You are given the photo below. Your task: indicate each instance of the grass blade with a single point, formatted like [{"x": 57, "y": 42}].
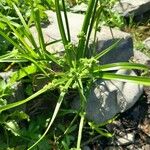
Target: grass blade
[
  {"x": 11, "y": 41},
  {"x": 60, "y": 23},
  {"x": 124, "y": 78},
  {"x": 36, "y": 17},
  {"x": 90, "y": 29},
  {"x": 15, "y": 104},
  {"x": 21, "y": 39},
  {"x": 121, "y": 65},
  {"x": 66, "y": 21},
  {"x": 85, "y": 26},
  {"x": 28, "y": 33},
  {"x": 107, "y": 50}
]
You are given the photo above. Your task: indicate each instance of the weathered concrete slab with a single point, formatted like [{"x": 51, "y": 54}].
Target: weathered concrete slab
[
  {"x": 132, "y": 7},
  {"x": 105, "y": 38}
]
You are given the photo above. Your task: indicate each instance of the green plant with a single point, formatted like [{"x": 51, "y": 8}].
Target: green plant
[
  {"x": 75, "y": 70},
  {"x": 105, "y": 11},
  {"x": 139, "y": 31}
]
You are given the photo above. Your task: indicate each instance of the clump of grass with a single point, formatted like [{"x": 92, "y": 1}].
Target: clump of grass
[{"x": 76, "y": 70}]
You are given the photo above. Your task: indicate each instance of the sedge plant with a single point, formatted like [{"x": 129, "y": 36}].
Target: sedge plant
[{"x": 77, "y": 70}]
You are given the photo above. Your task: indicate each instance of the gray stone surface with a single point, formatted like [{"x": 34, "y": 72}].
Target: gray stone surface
[
  {"x": 132, "y": 7},
  {"x": 147, "y": 43},
  {"x": 5, "y": 75},
  {"x": 140, "y": 57},
  {"x": 51, "y": 31},
  {"x": 105, "y": 38},
  {"x": 121, "y": 53},
  {"x": 107, "y": 98},
  {"x": 80, "y": 8}
]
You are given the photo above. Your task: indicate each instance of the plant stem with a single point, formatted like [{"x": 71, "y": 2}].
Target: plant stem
[
  {"x": 82, "y": 114},
  {"x": 62, "y": 30},
  {"x": 84, "y": 30},
  {"x": 66, "y": 21},
  {"x": 90, "y": 28},
  {"x": 60, "y": 23},
  {"x": 80, "y": 130}
]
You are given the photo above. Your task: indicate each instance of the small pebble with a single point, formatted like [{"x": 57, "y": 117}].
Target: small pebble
[
  {"x": 127, "y": 139},
  {"x": 145, "y": 126},
  {"x": 146, "y": 147},
  {"x": 147, "y": 43}
]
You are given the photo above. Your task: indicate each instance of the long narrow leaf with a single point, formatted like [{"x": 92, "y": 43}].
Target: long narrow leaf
[
  {"x": 36, "y": 16},
  {"x": 60, "y": 23},
  {"x": 11, "y": 40},
  {"x": 28, "y": 33},
  {"x": 66, "y": 21},
  {"x": 85, "y": 26},
  {"x": 27, "y": 49},
  {"x": 107, "y": 49},
  {"x": 13, "y": 60},
  {"x": 121, "y": 65},
  {"x": 15, "y": 104},
  {"x": 52, "y": 119},
  {"x": 50, "y": 86},
  {"x": 66, "y": 43},
  {"x": 90, "y": 29},
  {"x": 125, "y": 78},
  {"x": 9, "y": 55}
]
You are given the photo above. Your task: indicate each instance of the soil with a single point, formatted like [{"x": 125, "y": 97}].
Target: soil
[{"x": 135, "y": 121}]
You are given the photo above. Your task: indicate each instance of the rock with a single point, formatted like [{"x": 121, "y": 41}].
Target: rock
[
  {"x": 51, "y": 31},
  {"x": 5, "y": 75},
  {"x": 147, "y": 43},
  {"x": 133, "y": 146},
  {"x": 129, "y": 8},
  {"x": 145, "y": 126},
  {"x": 127, "y": 139},
  {"x": 124, "y": 50},
  {"x": 86, "y": 148},
  {"x": 107, "y": 98},
  {"x": 140, "y": 57},
  {"x": 80, "y": 8},
  {"x": 105, "y": 38},
  {"x": 146, "y": 147}
]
